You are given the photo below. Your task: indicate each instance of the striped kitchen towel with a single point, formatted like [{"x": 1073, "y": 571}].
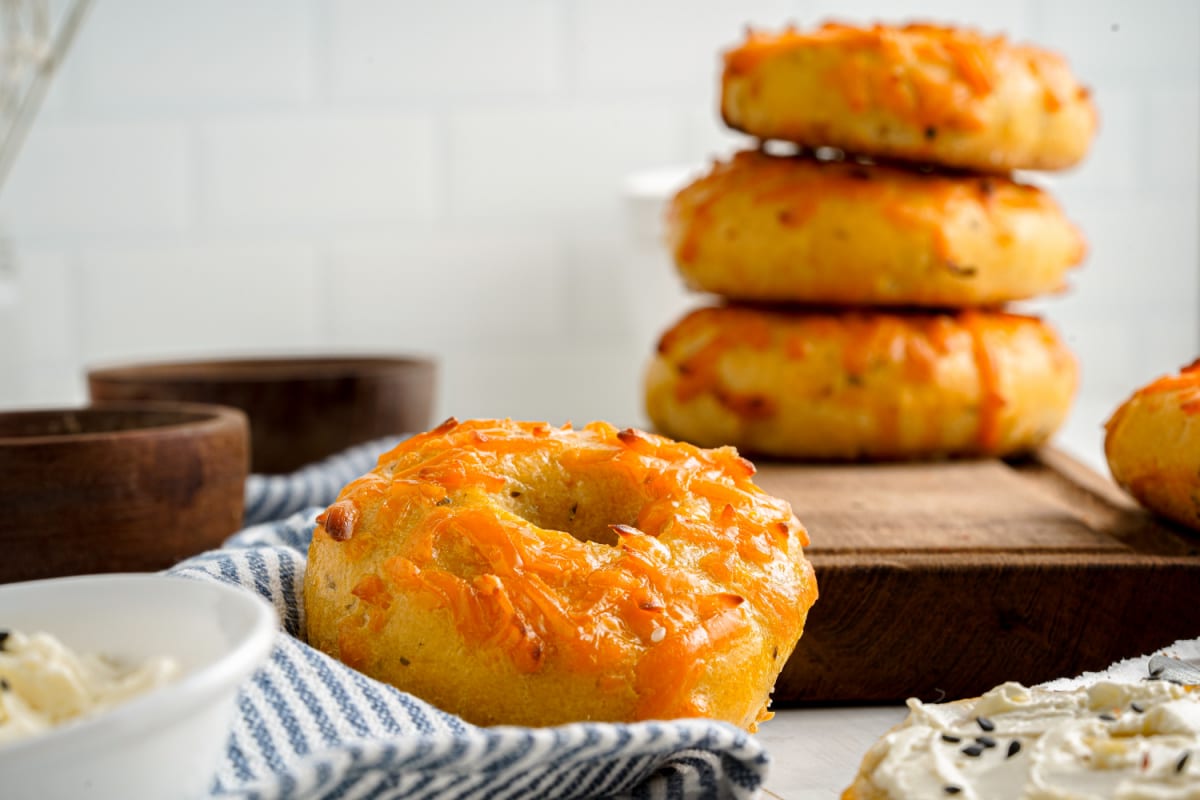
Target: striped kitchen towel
[
  {"x": 272, "y": 497},
  {"x": 310, "y": 727}
]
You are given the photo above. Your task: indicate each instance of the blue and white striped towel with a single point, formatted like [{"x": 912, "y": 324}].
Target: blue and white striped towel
[
  {"x": 273, "y": 497},
  {"x": 310, "y": 727}
]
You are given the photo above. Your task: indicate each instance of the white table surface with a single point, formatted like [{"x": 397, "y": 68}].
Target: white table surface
[{"x": 815, "y": 752}]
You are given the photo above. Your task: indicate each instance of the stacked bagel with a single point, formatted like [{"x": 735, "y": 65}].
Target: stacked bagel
[{"x": 864, "y": 271}]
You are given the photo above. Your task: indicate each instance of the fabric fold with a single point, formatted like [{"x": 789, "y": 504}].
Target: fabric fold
[
  {"x": 274, "y": 497},
  {"x": 310, "y": 727}
]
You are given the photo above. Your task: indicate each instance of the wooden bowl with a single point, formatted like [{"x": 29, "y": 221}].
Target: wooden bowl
[
  {"x": 129, "y": 488},
  {"x": 301, "y": 409}
]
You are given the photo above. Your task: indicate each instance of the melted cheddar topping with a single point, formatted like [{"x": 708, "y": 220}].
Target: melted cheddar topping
[
  {"x": 925, "y": 73},
  {"x": 797, "y": 187},
  {"x": 1186, "y": 383},
  {"x": 614, "y": 553},
  {"x": 913, "y": 344}
]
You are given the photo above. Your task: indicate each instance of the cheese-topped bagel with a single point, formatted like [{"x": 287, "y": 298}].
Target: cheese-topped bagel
[
  {"x": 918, "y": 92},
  {"x": 518, "y": 573}
]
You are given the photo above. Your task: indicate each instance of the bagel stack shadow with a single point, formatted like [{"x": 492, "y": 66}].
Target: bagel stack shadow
[{"x": 865, "y": 253}]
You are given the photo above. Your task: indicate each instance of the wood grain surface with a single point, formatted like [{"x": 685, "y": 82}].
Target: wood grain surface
[
  {"x": 945, "y": 579},
  {"x": 125, "y": 488}
]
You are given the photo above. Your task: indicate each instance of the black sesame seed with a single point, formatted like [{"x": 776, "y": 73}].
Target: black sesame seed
[
  {"x": 986, "y": 741},
  {"x": 1108, "y": 717},
  {"x": 3, "y": 639},
  {"x": 445, "y": 501},
  {"x": 1137, "y": 708},
  {"x": 973, "y": 750},
  {"x": 1014, "y": 747},
  {"x": 985, "y": 723},
  {"x": 931, "y": 132},
  {"x": 947, "y": 737},
  {"x": 950, "y": 788},
  {"x": 4, "y": 685},
  {"x": 1183, "y": 760}
]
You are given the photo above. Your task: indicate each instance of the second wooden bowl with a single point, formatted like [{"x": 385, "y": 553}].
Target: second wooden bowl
[{"x": 301, "y": 409}]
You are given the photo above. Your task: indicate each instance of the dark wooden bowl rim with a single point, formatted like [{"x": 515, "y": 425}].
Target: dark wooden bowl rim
[
  {"x": 126, "y": 421},
  {"x": 259, "y": 370}
]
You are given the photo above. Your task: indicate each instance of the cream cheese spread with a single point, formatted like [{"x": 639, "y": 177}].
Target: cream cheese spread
[
  {"x": 1137, "y": 741},
  {"x": 43, "y": 683}
]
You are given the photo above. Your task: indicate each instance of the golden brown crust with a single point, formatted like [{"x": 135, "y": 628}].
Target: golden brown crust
[
  {"x": 517, "y": 573},
  {"x": 919, "y": 92},
  {"x": 854, "y": 385},
  {"x": 1152, "y": 442},
  {"x": 772, "y": 228}
]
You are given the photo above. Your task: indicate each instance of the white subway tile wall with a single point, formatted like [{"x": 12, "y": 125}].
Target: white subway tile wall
[
  {"x": 327, "y": 169},
  {"x": 140, "y": 301},
  {"x": 440, "y": 53},
  {"x": 661, "y": 49},
  {"x": 554, "y": 165},
  {"x": 447, "y": 178},
  {"x": 189, "y": 58},
  {"x": 97, "y": 178},
  {"x": 462, "y": 289},
  {"x": 42, "y": 327}
]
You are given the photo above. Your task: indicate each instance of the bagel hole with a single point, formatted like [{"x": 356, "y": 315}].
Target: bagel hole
[{"x": 586, "y": 508}]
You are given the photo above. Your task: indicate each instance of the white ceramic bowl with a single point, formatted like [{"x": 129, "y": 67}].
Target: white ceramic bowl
[{"x": 163, "y": 744}]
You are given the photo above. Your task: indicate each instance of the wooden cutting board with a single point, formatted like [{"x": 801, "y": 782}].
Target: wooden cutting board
[{"x": 945, "y": 579}]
